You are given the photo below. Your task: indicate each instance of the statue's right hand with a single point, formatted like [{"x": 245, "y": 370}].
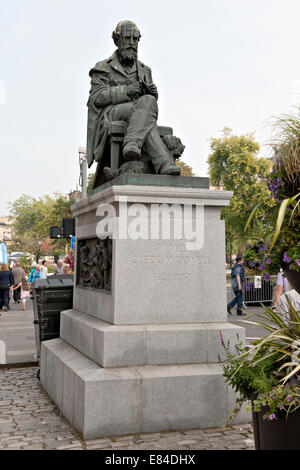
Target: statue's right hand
[{"x": 135, "y": 88}]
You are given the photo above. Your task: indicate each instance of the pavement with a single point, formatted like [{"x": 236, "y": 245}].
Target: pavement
[
  {"x": 29, "y": 420},
  {"x": 17, "y": 336}
]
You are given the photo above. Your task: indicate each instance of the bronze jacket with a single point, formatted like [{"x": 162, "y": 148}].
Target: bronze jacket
[{"x": 109, "y": 83}]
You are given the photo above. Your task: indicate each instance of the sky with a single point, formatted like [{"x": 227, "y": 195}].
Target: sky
[{"x": 222, "y": 63}]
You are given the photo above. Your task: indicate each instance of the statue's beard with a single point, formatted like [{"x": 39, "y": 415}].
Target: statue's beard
[{"x": 127, "y": 56}]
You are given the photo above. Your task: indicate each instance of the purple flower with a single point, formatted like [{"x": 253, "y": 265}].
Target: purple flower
[
  {"x": 267, "y": 277},
  {"x": 262, "y": 267},
  {"x": 272, "y": 416},
  {"x": 222, "y": 340},
  {"x": 268, "y": 261},
  {"x": 298, "y": 262},
  {"x": 288, "y": 399},
  {"x": 286, "y": 259}
]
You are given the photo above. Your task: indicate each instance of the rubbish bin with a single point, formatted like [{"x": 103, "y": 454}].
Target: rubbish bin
[{"x": 50, "y": 297}]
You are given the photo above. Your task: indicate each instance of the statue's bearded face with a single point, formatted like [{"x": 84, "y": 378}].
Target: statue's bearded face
[{"x": 128, "y": 44}]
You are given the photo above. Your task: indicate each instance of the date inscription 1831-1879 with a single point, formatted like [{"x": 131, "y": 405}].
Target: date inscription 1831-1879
[{"x": 94, "y": 262}]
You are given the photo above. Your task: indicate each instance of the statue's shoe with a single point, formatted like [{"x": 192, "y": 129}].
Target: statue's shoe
[
  {"x": 131, "y": 151},
  {"x": 170, "y": 169}
]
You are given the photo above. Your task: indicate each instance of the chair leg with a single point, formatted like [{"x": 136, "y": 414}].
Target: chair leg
[{"x": 114, "y": 155}]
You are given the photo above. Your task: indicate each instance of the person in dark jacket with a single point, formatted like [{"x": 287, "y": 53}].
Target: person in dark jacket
[
  {"x": 238, "y": 277},
  {"x": 6, "y": 283}
]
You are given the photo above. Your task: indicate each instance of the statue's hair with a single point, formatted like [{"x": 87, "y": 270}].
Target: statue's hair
[{"x": 117, "y": 32}]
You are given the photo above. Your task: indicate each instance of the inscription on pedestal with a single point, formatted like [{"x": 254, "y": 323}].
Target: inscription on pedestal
[{"x": 94, "y": 261}]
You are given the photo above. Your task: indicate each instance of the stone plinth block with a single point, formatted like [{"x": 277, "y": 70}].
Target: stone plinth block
[
  {"x": 115, "y": 401},
  {"x": 136, "y": 345},
  {"x": 161, "y": 279}
]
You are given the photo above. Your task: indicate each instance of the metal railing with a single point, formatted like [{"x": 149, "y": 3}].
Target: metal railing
[{"x": 253, "y": 294}]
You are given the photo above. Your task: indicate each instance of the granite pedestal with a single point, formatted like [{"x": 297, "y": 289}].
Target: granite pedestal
[{"x": 143, "y": 354}]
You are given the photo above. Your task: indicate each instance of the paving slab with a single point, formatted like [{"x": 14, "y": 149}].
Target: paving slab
[
  {"x": 53, "y": 432},
  {"x": 17, "y": 337}
]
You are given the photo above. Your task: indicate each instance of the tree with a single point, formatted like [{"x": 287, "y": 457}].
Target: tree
[
  {"x": 31, "y": 222},
  {"x": 234, "y": 165},
  {"x": 283, "y": 246},
  {"x": 90, "y": 181},
  {"x": 186, "y": 170}
]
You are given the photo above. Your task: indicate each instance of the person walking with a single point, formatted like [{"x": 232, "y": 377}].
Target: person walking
[
  {"x": 59, "y": 269},
  {"x": 44, "y": 269},
  {"x": 6, "y": 284},
  {"x": 238, "y": 276},
  {"x": 25, "y": 291},
  {"x": 67, "y": 269},
  {"x": 36, "y": 273},
  {"x": 18, "y": 273},
  {"x": 282, "y": 286}
]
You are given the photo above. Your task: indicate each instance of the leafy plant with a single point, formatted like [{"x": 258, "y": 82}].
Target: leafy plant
[
  {"x": 284, "y": 190},
  {"x": 268, "y": 371}
]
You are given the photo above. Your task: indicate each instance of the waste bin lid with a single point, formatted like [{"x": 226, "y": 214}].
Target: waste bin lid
[{"x": 54, "y": 281}]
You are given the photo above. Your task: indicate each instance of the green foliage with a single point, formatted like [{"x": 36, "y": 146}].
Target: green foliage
[
  {"x": 186, "y": 170},
  {"x": 32, "y": 219},
  {"x": 269, "y": 370},
  {"x": 235, "y": 166},
  {"x": 90, "y": 181},
  {"x": 26, "y": 263},
  {"x": 278, "y": 399},
  {"x": 284, "y": 190},
  {"x": 247, "y": 380}
]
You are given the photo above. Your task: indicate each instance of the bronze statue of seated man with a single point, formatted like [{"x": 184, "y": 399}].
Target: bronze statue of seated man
[{"x": 122, "y": 90}]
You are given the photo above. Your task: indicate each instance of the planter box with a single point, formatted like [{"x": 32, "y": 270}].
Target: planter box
[{"x": 279, "y": 434}]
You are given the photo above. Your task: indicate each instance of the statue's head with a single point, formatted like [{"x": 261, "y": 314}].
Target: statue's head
[{"x": 126, "y": 37}]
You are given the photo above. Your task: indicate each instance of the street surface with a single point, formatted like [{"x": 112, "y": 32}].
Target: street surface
[
  {"x": 17, "y": 340},
  {"x": 30, "y": 420}
]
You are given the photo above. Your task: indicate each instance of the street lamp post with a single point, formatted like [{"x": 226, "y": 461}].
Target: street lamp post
[{"x": 83, "y": 172}]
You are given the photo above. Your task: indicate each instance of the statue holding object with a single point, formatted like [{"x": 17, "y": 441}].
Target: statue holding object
[{"x": 122, "y": 90}]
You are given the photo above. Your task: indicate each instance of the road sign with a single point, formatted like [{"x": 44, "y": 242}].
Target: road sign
[{"x": 73, "y": 240}]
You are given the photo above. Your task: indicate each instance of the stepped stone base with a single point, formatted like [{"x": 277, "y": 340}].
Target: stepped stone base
[
  {"x": 137, "y": 345},
  {"x": 117, "y": 401}
]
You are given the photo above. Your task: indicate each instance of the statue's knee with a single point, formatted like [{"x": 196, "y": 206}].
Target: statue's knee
[{"x": 148, "y": 100}]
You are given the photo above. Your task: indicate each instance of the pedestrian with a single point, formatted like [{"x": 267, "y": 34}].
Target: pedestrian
[
  {"x": 18, "y": 273},
  {"x": 282, "y": 287},
  {"x": 6, "y": 285},
  {"x": 44, "y": 269},
  {"x": 25, "y": 291},
  {"x": 238, "y": 277},
  {"x": 67, "y": 269},
  {"x": 59, "y": 269},
  {"x": 36, "y": 273},
  {"x": 283, "y": 307}
]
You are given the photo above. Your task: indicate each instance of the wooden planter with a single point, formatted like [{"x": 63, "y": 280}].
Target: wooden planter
[{"x": 279, "y": 434}]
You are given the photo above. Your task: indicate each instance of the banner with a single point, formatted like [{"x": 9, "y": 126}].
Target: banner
[{"x": 3, "y": 253}]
